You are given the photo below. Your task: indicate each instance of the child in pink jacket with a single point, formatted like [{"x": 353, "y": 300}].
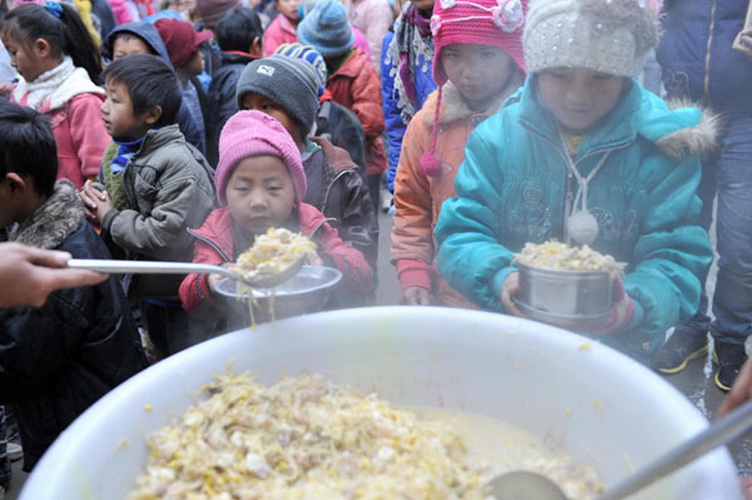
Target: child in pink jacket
[
  {"x": 261, "y": 181},
  {"x": 60, "y": 82}
]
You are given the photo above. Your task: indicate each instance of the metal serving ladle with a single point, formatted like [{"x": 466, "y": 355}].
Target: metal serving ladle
[
  {"x": 527, "y": 485},
  {"x": 269, "y": 280}
]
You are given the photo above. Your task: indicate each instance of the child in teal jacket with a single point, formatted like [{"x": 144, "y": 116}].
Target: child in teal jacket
[{"x": 583, "y": 153}]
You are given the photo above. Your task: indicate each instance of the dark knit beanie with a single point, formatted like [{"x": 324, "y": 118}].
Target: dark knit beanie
[{"x": 290, "y": 83}]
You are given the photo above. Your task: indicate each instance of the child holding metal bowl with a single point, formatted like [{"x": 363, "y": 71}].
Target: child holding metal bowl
[{"x": 583, "y": 153}]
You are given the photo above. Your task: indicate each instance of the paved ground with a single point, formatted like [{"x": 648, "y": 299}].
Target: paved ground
[{"x": 695, "y": 382}]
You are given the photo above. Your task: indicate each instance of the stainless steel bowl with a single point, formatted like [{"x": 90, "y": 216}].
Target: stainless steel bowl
[
  {"x": 566, "y": 293},
  {"x": 306, "y": 292}
]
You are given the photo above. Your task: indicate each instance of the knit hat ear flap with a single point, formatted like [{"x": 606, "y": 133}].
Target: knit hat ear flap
[{"x": 428, "y": 160}]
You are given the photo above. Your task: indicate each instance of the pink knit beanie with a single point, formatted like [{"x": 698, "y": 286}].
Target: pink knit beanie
[
  {"x": 253, "y": 133},
  {"x": 496, "y": 23}
]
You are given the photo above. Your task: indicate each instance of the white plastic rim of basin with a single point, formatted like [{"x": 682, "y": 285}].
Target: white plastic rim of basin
[{"x": 599, "y": 406}]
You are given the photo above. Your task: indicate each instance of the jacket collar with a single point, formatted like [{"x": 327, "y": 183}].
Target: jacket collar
[
  {"x": 217, "y": 230},
  {"x": 53, "y": 222},
  {"x": 455, "y": 108},
  {"x": 158, "y": 137},
  {"x": 677, "y": 129}
]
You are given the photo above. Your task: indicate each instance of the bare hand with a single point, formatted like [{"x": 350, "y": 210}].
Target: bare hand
[
  {"x": 97, "y": 203},
  {"x": 28, "y": 275},
  {"x": 740, "y": 392},
  {"x": 215, "y": 278},
  {"x": 509, "y": 289},
  {"x": 6, "y": 88},
  {"x": 416, "y": 296},
  {"x": 743, "y": 43}
]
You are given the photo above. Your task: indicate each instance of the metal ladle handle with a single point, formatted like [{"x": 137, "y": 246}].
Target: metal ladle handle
[
  {"x": 720, "y": 432},
  {"x": 147, "y": 267}
]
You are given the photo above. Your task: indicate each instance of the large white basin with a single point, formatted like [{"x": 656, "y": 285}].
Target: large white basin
[{"x": 600, "y": 406}]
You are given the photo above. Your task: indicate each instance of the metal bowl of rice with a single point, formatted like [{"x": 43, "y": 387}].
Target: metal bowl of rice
[{"x": 306, "y": 292}]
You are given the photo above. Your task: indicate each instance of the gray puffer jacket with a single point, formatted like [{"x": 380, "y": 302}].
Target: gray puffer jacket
[{"x": 168, "y": 187}]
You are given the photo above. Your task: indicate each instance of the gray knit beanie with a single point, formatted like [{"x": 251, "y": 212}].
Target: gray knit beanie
[
  {"x": 290, "y": 83},
  {"x": 610, "y": 36}
]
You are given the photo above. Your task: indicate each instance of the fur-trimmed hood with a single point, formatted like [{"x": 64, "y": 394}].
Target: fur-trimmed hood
[
  {"x": 454, "y": 107},
  {"x": 54, "y": 221},
  {"x": 679, "y": 140}
]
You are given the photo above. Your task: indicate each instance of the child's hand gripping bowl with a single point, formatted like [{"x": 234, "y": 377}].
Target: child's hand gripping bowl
[{"x": 572, "y": 287}]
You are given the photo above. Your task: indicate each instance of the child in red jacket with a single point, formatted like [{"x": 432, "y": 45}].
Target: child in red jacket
[
  {"x": 260, "y": 179},
  {"x": 352, "y": 79}
]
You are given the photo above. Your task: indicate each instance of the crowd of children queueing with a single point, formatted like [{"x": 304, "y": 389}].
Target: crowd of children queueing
[{"x": 496, "y": 125}]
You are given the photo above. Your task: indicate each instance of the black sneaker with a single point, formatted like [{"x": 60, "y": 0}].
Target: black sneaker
[
  {"x": 729, "y": 358},
  {"x": 684, "y": 345}
]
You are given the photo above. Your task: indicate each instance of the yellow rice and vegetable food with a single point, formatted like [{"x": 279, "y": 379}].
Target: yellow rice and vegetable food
[
  {"x": 307, "y": 438},
  {"x": 274, "y": 252},
  {"x": 560, "y": 256}
]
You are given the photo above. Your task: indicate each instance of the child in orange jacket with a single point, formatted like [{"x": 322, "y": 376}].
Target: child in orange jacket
[{"x": 478, "y": 63}]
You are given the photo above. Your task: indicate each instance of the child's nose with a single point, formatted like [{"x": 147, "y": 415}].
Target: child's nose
[{"x": 257, "y": 201}]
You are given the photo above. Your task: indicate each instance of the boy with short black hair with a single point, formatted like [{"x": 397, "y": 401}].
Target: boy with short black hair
[
  {"x": 239, "y": 35},
  {"x": 58, "y": 359},
  {"x": 157, "y": 186},
  {"x": 143, "y": 38}
]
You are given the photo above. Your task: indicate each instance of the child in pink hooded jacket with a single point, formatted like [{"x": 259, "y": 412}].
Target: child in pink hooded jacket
[{"x": 58, "y": 78}]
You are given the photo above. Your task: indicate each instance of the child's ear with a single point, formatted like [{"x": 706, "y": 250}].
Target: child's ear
[
  {"x": 153, "y": 114},
  {"x": 42, "y": 47},
  {"x": 255, "y": 48},
  {"x": 17, "y": 185}
]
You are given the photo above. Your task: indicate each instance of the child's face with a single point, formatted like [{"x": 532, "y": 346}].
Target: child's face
[
  {"x": 479, "y": 72},
  {"x": 289, "y": 9},
  {"x": 578, "y": 97},
  {"x": 260, "y": 193},
  {"x": 195, "y": 65},
  {"x": 129, "y": 46},
  {"x": 256, "y": 102},
  {"x": 424, "y": 5},
  {"x": 27, "y": 59},
  {"x": 117, "y": 113}
]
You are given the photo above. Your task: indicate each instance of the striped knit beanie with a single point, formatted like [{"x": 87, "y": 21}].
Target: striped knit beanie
[{"x": 309, "y": 55}]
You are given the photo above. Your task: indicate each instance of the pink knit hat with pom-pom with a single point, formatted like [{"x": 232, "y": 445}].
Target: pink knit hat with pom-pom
[
  {"x": 496, "y": 23},
  {"x": 253, "y": 133}
]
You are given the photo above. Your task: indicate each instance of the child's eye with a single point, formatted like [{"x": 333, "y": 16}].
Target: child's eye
[
  {"x": 274, "y": 188},
  {"x": 488, "y": 54},
  {"x": 603, "y": 76}
]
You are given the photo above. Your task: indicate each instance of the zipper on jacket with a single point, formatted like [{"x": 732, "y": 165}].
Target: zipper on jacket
[
  {"x": 569, "y": 197},
  {"x": 709, "y": 46},
  {"x": 339, "y": 175}
]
